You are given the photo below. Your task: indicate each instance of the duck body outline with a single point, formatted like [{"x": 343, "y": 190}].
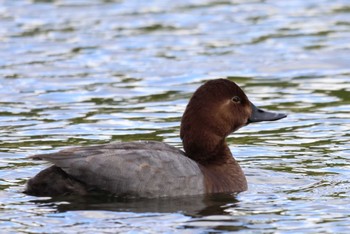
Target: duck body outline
[{"x": 151, "y": 169}]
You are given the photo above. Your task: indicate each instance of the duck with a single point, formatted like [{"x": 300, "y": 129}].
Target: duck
[{"x": 151, "y": 169}]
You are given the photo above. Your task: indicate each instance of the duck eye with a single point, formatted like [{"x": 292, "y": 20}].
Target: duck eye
[{"x": 236, "y": 99}]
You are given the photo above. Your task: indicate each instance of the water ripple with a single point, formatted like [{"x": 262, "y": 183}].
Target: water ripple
[{"x": 90, "y": 72}]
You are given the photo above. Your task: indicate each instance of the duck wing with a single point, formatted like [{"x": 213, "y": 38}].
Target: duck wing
[{"x": 141, "y": 169}]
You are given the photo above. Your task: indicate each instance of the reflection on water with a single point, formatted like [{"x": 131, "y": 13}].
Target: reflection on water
[
  {"x": 90, "y": 72},
  {"x": 195, "y": 206}
]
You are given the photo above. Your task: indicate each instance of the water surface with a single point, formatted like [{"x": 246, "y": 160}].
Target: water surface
[{"x": 91, "y": 72}]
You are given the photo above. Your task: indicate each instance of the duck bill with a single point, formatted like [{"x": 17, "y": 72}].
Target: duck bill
[{"x": 259, "y": 115}]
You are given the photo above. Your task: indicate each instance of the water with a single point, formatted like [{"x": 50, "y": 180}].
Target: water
[{"x": 90, "y": 72}]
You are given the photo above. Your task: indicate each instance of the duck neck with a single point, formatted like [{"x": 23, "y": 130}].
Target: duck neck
[
  {"x": 221, "y": 171},
  {"x": 206, "y": 147}
]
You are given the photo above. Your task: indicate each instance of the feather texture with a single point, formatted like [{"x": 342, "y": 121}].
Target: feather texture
[{"x": 153, "y": 169}]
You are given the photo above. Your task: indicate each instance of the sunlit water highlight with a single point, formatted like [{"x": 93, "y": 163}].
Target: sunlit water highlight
[{"x": 90, "y": 72}]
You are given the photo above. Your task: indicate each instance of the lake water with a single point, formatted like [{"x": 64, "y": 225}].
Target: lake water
[{"x": 91, "y": 72}]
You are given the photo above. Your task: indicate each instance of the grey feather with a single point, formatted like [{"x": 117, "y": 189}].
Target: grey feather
[{"x": 143, "y": 169}]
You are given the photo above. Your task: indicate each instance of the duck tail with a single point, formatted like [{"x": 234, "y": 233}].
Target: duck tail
[{"x": 53, "y": 181}]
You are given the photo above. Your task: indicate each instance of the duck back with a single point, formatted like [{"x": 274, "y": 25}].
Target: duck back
[{"x": 136, "y": 169}]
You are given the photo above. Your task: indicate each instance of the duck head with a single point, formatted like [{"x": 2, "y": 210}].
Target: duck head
[{"x": 217, "y": 108}]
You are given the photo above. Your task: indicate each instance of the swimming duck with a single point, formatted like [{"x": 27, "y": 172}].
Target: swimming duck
[{"x": 155, "y": 169}]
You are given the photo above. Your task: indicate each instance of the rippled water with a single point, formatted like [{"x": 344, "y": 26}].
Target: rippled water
[{"x": 89, "y": 72}]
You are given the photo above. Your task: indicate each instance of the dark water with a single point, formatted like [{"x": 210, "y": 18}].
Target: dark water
[{"x": 90, "y": 72}]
